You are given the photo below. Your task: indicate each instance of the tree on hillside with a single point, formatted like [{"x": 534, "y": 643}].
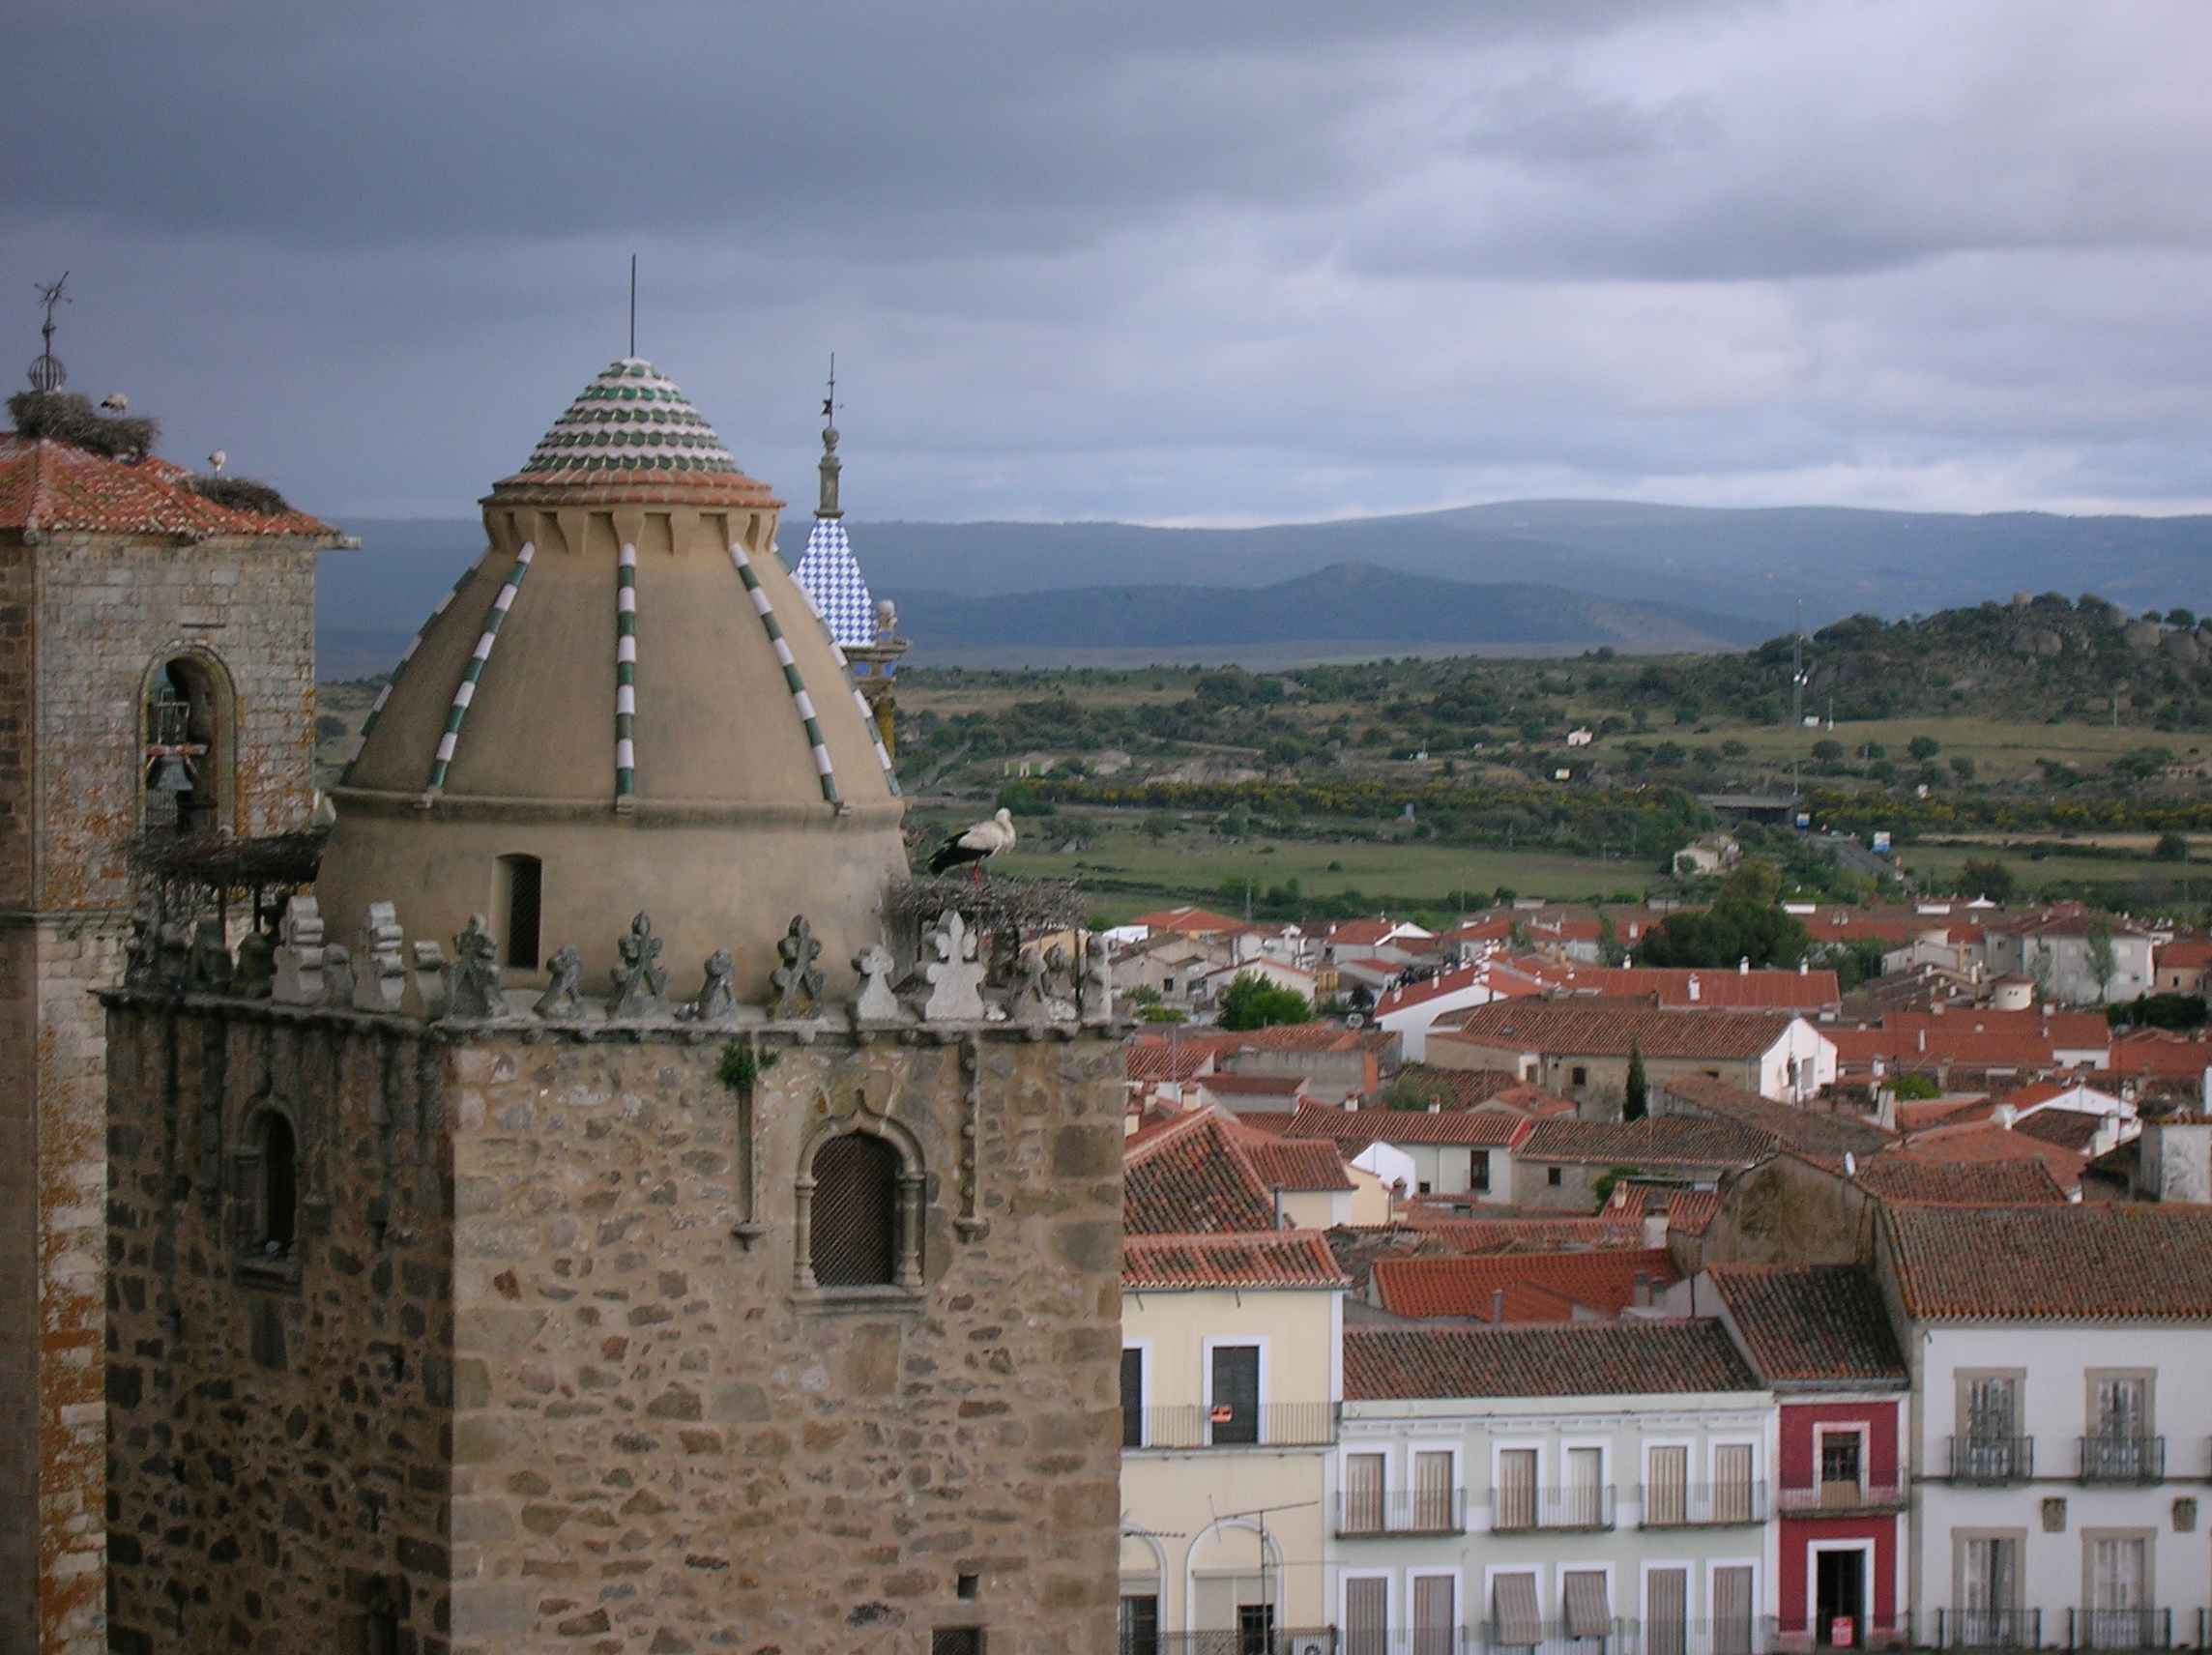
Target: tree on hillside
[
  {"x": 1635, "y": 1100},
  {"x": 1252, "y": 1001},
  {"x": 1923, "y": 748},
  {"x": 1745, "y": 921},
  {"x": 1987, "y": 875},
  {"x": 2170, "y": 848}
]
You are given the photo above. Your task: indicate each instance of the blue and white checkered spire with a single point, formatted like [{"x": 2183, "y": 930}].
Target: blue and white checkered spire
[
  {"x": 831, "y": 576},
  {"x": 828, "y": 571}
]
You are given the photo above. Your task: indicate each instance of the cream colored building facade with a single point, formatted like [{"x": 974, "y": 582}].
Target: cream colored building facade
[{"x": 1226, "y": 1433}]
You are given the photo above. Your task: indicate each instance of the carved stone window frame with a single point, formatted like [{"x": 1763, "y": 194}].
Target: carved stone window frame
[
  {"x": 251, "y": 1264},
  {"x": 908, "y": 1285}
]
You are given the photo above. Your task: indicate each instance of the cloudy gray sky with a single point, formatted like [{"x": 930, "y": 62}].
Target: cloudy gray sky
[{"x": 1225, "y": 261}]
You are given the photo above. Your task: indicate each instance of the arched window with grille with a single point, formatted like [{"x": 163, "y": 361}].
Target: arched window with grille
[
  {"x": 187, "y": 745},
  {"x": 860, "y": 1214}
]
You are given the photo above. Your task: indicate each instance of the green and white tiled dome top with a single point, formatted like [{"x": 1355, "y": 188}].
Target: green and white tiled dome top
[{"x": 631, "y": 418}]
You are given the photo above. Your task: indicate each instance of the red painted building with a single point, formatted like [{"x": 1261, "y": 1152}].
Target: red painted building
[{"x": 1819, "y": 1337}]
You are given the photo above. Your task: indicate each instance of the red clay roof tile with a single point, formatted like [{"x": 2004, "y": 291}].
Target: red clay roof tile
[{"x": 1614, "y": 1358}]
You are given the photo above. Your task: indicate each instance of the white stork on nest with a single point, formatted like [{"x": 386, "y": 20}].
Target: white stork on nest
[{"x": 976, "y": 844}]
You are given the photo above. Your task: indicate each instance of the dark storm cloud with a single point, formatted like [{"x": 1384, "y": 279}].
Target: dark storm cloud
[{"x": 1236, "y": 260}]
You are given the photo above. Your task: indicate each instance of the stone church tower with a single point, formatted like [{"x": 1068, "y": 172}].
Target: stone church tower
[
  {"x": 157, "y": 660},
  {"x": 578, "y": 1229}
]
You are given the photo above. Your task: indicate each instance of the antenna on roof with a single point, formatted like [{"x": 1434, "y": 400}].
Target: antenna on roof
[
  {"x": 633, "y": 304},
  {"x": 47, "y": 372}
]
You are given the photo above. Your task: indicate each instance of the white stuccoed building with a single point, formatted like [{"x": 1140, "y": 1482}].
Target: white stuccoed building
[{"x": 2061, "y": 1364}]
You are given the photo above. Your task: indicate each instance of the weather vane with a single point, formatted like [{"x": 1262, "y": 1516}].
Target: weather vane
[
  {"x": 634, "y": 305},
  {"x": 829, "y": 402},
  {"x": 47, "y": 372}
]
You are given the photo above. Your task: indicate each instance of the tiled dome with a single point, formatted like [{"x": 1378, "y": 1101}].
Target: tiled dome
[{"x": 631, "y": 428}]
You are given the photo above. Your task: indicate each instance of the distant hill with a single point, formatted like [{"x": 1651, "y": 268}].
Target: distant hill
[
  {"x": 1759, "y": 564},
  {"x": 1343, "y": 602}
]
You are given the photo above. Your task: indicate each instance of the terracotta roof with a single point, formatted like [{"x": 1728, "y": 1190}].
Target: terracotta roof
[
  {"x": 1207, "y": 1172},
  {"x": 1658, "y": 1140},
  {"x": 1817, "y": 1133},
  {"x": 1900, "y": 1179},
  {"x": 1290, "y": 1165},
  {"x": 1186, "y": 1177},
  {"x": 1479, "y": 1128},
  {"x": 1406, "y": 996},
  {"x": 1805, "y": 1323},
  {"x": 1476, "y": 1236},
  {"x": 1188, "y": 921},
  {"x": 2160, "y": 1052},
  {"x": 2185, "y": 952},
  {"x": 2071, "y": 1129},
  {"x": 1596, "y": 1028},
  {"x": 1255, "y": 1085},
  {"x": 1692, "y": 1212},
  {"x": 1614, "y": 1358},
  {"x": 1145, "y": 1059},
  {"x": 1722, "y": 989},
  {"x": 1280, "y": 1259},
  {"x": 1470, "y": 1088},
  {"x": 1604, "y": 1281},
  {"x": 2064, "y": 919},
  {"x": 1309, "y": 1037},
  {"x": 2098, "y": 1262},
  {"x": 1990, "y": 1143},
  {"x": 51, "y": 487}
]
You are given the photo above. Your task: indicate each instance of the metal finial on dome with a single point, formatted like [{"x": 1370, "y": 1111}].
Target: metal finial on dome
[
  {"x": 47, "y": 372},
  {"x": 827, "y": 506}
]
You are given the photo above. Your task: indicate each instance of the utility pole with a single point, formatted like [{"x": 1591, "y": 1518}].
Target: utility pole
[{"x": 1797, "y": 670}]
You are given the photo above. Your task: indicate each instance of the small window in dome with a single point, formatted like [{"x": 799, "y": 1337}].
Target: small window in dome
[{"x": 517, "y": 909}]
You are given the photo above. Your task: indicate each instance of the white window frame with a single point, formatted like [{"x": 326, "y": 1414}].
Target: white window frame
[
  {"x": 1645, "y": 1569},
  {"x": 1430, "y": 1572},
  {"x": 1388, "y": 1578},
  {"x": 1862, "y": 1430},
  {"x": 1865, "y": 1548},
  {"x": 1206, "y": 1345},
  {"x": 1144, "y": 1350}
]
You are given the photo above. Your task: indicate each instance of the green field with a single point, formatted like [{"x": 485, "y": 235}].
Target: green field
[
  {"x": 1936, "y": 863},
  {"x": 1125, "y": 872}
]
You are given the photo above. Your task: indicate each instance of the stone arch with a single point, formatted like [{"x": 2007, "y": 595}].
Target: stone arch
[
  {"x": 908, "y": 1178},
  {"x": 270, "y": 1184},
  {"x": 1143, "y": 1562},
  {"x": 187, "y": 733}
]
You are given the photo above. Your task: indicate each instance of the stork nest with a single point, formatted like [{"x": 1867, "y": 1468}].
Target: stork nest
[
  {"x": 68, "y": 417},
  {"x": 241, "y": 494},
  {"x": 989, "y": 905},
  {"x": 215, "y": 863}
]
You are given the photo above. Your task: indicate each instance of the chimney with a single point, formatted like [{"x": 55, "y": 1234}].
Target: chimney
[
  {"x": 1436, "y": 1107},
  {"x": 1350, "y": 1102},
  {"x": 1644, "y": 1290},
  {"x": 1498, "y": 1305},
  {"x": 1743, "y": 966},
  {"x": 2004, "y": 1114},
  {"x": 1693, "y": 988},
  {"x": 1885, "y": 1107},
  {"x": 2204, "y": 1089},
  {"x": 1923, "y": 1033},
  {"x": 1654, "y": 1230},
  {"x": 1804, "y": 966}
]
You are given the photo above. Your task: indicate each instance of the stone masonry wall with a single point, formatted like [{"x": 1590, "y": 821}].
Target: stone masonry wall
[
  {"x": 277, "y": 1429},
  {"x": 108, "y": 611},
  {"x": 661, "y": 1447},
  {"x": 82, "y": 618}
]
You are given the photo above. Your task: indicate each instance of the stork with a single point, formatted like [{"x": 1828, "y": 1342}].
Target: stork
[
  {"x": 218, "y": 459},
  {"x": 115, "y": 402},
  {"x": 976, "y": 844}
]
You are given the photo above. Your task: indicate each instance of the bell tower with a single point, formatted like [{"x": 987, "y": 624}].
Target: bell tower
[{"x": 156, "y": 683}]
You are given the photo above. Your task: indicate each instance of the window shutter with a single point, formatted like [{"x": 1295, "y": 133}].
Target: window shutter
[
  {"x": 1516, "y": 1490},
  {"x": 1731, "y": 1483},
  {"x": 1665, "y": 1610},
  {"x": 1366, "y": 1618},
  {"x": 1432, "y": 1491},
  {"x": 1732, "y": 1610},
  {"x": 1667, "y": 1500},
  {"x": 1363, "y": 1494},
  {"x": 1433, "y": 1615}
]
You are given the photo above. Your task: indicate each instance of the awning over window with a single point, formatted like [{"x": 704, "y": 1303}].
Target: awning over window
[
  {"x": 1513, "y": 1604},
  {"x": 1588, "y": 1615}
]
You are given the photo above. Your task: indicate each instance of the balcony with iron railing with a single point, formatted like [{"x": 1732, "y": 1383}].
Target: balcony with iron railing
[
  {"x": 1271, "y": 1425},
  {"x": 1699, "y": 1505},
  {"x": 1838, "y": 1498},
  {"x": 1989, "y": 1629},
  {"x": 1527, "y": 1510},
  {"x": 1991, "y": 1459},
  {"x": 1293, "y": 1640},
  {"x": 2128, "y": 1629},
  {"x": 1754, "y": 1634},
  {"x": 1399, "y": 1512},
  {"x": 1805, "y": 1633},
  {"x": 2121, "y": 1459}
]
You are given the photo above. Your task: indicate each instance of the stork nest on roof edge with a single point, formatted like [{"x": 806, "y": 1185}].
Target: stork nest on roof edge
[
  {"x": 206, "y": 867},
  {"x": 988, "y": 904}
]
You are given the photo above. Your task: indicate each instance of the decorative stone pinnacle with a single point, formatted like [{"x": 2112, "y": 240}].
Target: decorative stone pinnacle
[
  {"x": 797, "y": 980},
  {"x": 562, "y": 1000},
  {"x": 641, "y": 982},
  {"x": 473, "y": 989},
  {"x": 716, "y": 1001}
]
